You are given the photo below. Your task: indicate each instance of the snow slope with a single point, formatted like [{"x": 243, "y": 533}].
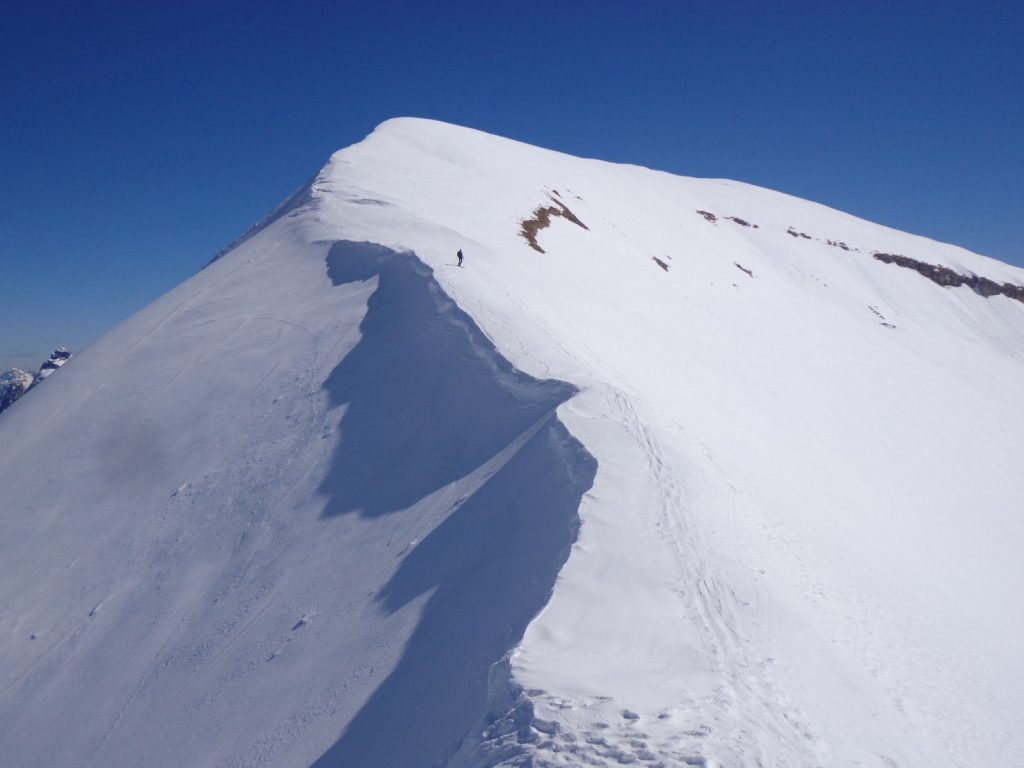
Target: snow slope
[{"x": 641, "y": 483}]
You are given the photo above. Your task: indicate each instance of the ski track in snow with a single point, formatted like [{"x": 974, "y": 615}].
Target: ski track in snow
[{"x": 742, "y": 720}]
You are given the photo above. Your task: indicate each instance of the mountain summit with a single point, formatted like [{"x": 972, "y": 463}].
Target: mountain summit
[{"x": 670, "y": 471}]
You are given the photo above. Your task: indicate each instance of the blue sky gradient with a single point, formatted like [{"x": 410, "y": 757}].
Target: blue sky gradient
[{"x": 137, "y": 139}]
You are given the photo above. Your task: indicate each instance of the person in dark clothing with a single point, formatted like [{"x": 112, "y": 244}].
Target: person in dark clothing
[{"x": 459, "y": 256}]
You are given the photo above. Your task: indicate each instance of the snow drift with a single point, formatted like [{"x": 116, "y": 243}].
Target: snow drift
[{"x": 672, "y": 472}]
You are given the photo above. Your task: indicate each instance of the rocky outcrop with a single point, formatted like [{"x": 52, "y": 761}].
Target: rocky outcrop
[
  {"x": 541, "y": 219},
  {"x": 57, "y": 358},
  {"x": 947, "y": 277}
]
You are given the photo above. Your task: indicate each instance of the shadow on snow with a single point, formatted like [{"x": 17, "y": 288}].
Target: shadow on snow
[{"x": 430, "y": 402}]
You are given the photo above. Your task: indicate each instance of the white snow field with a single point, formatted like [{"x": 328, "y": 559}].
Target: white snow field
[{"x": 662, "y": 487}]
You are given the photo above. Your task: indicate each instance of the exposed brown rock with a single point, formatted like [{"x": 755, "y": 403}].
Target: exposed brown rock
[
  {"x": 541, "y": 219},
  {"x": 946, "y": 277}
]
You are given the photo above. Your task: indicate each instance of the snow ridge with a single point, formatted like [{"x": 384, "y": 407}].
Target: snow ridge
[{"x": 698, "y": 483}]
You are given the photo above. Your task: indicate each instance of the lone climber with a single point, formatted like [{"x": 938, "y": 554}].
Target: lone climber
[{"x": 459, "y": 256}]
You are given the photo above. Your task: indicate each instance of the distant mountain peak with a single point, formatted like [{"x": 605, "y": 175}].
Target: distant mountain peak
[
  {"x": 57, "y": 358},
  {"x": 15, "y": 382}
]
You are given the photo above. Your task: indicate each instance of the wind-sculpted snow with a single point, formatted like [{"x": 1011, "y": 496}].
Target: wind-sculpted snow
[
  {"x": 346, "y": 508},
  {"x": 329, "y": 502},
  {"x": 428, "y": 401}
]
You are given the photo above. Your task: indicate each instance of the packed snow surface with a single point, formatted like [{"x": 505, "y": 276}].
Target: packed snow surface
[{"x": 671, "y": 472}]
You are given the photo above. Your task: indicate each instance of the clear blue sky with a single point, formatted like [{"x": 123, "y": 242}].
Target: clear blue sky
[{"x": 137, "y": 139}]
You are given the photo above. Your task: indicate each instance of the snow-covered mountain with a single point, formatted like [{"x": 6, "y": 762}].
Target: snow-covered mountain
[
  {"x": 57, "y": 358},
  {"x": 15, "y": 382},
  {"x": 671, "y": 472}
]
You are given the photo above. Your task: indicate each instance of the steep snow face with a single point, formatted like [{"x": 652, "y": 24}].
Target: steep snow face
[
  {"x": 284, "y": 502},
  {"x": 311, "y": 496}
]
